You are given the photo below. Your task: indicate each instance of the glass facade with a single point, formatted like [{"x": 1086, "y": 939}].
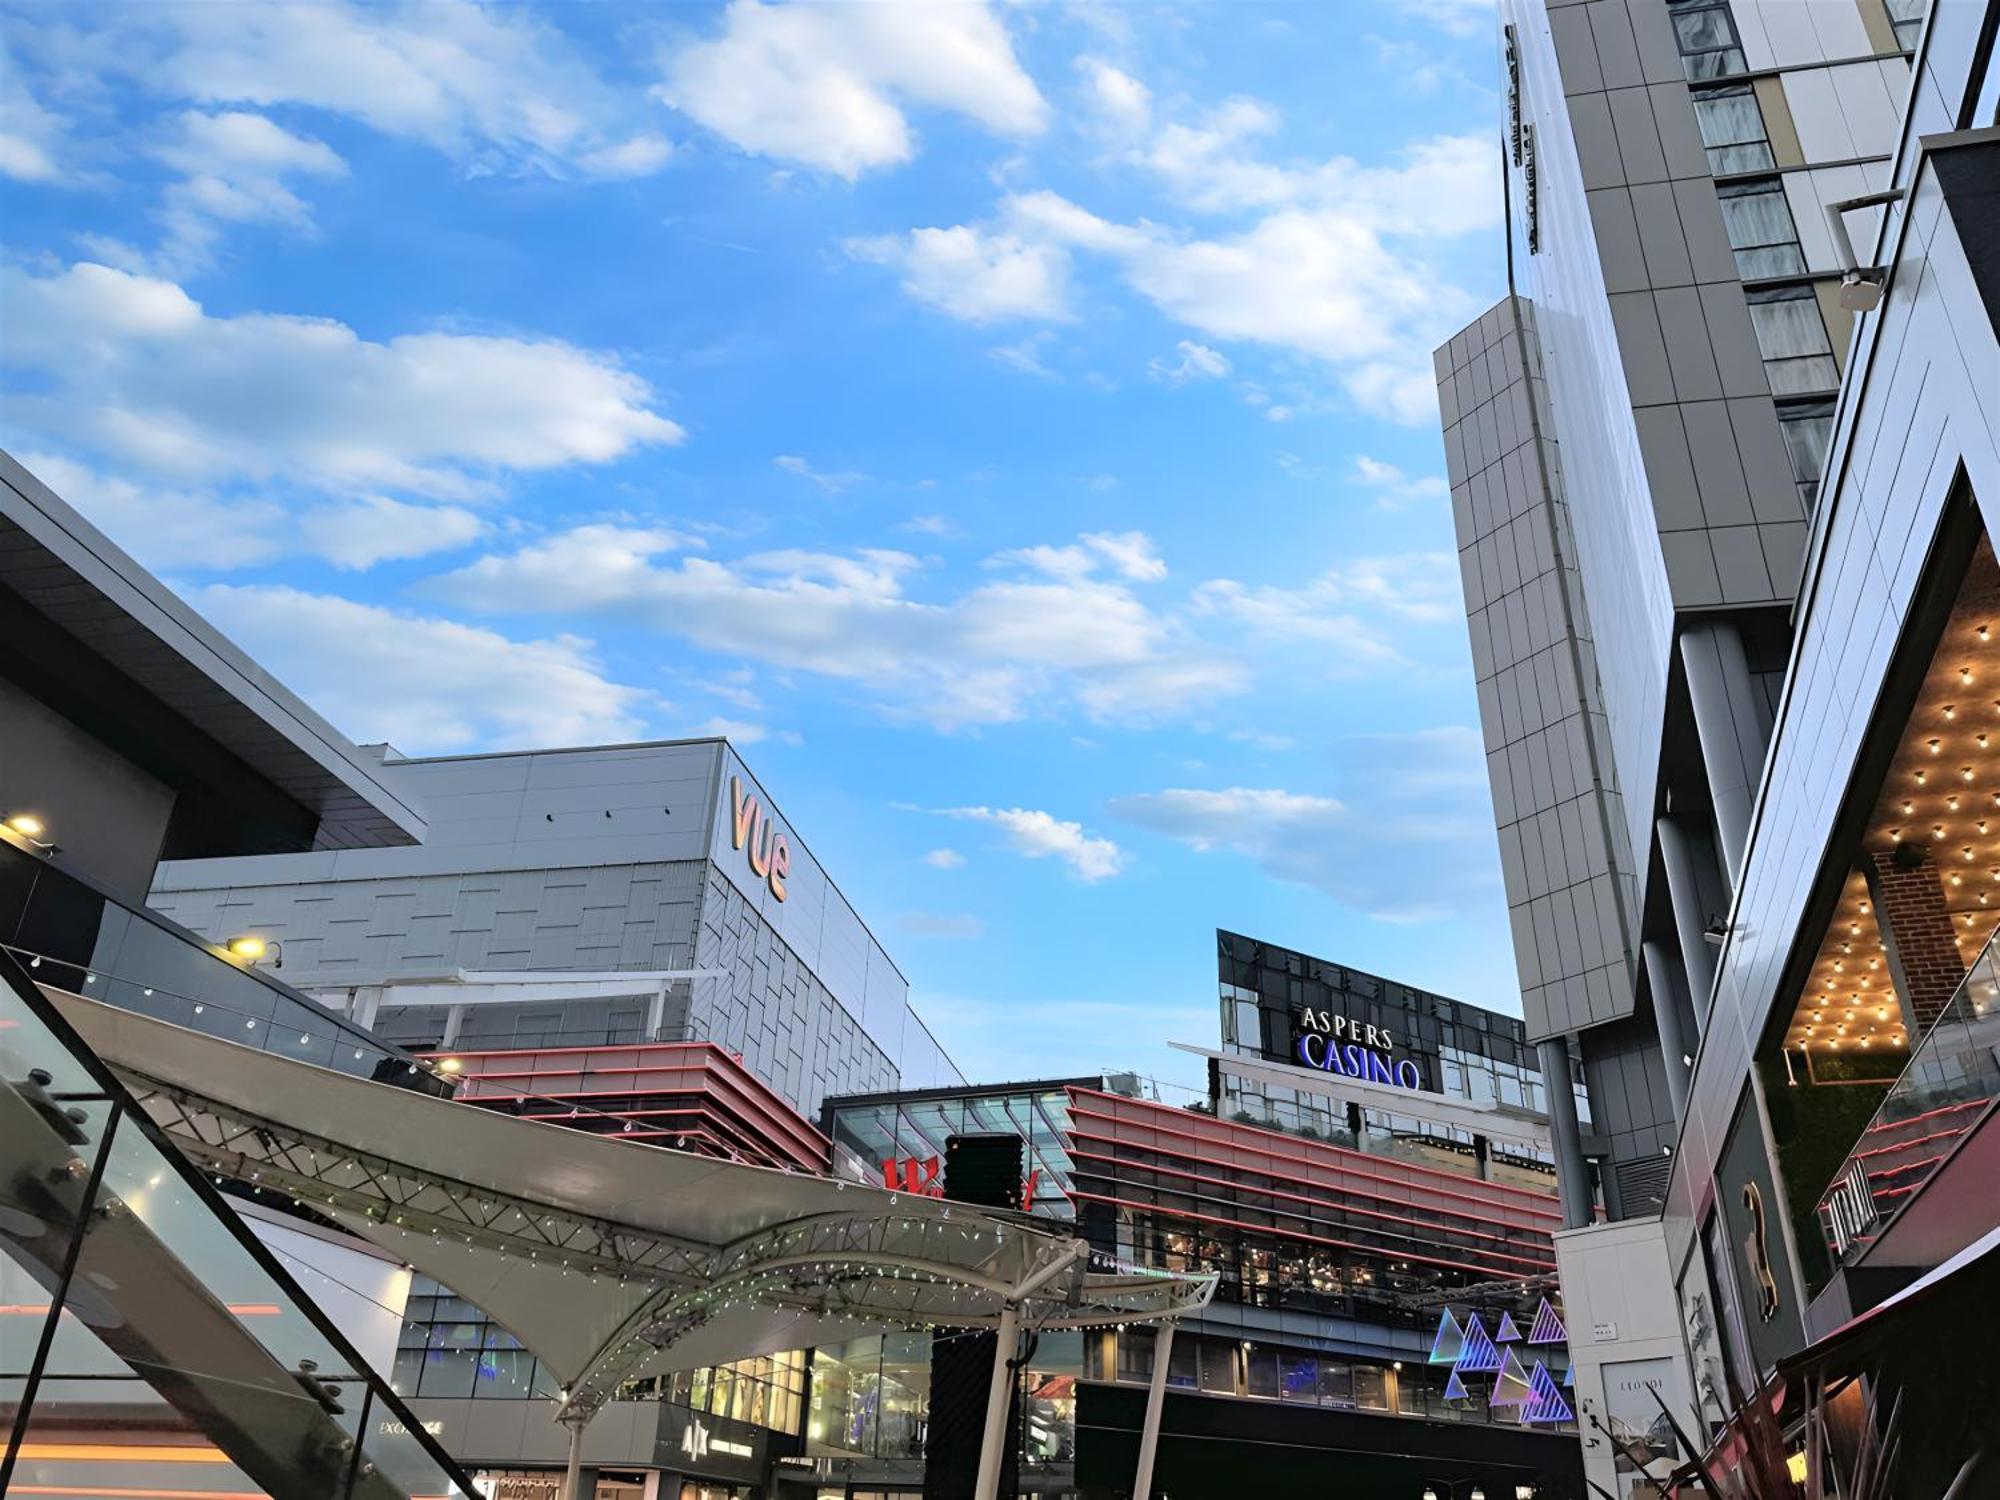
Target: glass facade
[
  {"x": 914, "y": 1127},
  {"x": 1461, "y": 1051},
  {"x": 1758, "y": 221},
  {"x": 1705, "y": 32},
  {"x": 451, "y": 1348},
  {"x": 143, "y": 1330}
]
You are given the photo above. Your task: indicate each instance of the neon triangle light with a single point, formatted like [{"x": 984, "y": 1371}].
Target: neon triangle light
[
  {"x": 1545, "y": 1402},
  {"x": 1506, "y": 1333},
  {"x": 1548, "y": 1326},
  {"x": 1511, "y": 1389},
  {"x": 1454, "y": 1388},
  {"x": 1450, "y": 1341},
  {"x": 1569, "y": 1378},
  {"x": 1479, "y": 1357}
]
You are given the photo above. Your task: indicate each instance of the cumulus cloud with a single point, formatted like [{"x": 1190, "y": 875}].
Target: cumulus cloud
[
  {"x": 428, "y": 684},
  {"x": 944, "y": 859},
  {"x": 1413, "y": 844},
  {"x": 972, "y": 274},
  {"x": 495, "y": 88},
  {"x": 1120, "y": 101},
  {"x": 1330, "y": 259},
  {"x": 135, "y": 367},
  {"x": 1393, "y": 489},
  {"x": 1129, "y": 554},
  {"x": 1039, "y": 835},
  {"x": 826, "y": 85},
  {"x": 234, "y": 167},
  {"x": 31, "y": 137},
  {"x": 168, "y": 527},
  {"x": 1031, "y": 640}
]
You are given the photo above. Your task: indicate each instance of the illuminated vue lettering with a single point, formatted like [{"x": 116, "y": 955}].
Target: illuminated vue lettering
[{"x": 753, "y": 831}]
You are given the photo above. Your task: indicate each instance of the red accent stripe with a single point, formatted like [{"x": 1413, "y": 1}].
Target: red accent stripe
[
  {"x": 1340, "y": 1158},
  {"x": 1347, "y": 1208},
  {"x": 1377, "y": 1250}
]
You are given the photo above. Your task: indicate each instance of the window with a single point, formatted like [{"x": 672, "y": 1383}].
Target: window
[
  {"x": 1706, "y": 34},
  {"x": 1792, "y": 337},
  {"x": 1758, "y": 221},
  {"x": 1808, "y": 428},
  {"x": 1732, "y": 128},
  {"x": 1907, "y": 16}
]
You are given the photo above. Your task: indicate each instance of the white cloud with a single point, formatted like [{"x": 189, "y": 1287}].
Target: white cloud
[
  {"x": 1260, "y": 740},
  {"x": 972, "y": 274},
  {"x": 137, "y": 368},
  {"x": 495, "y": 88},
  {"x": 1332, "y": 264},
  {"x": 233, "y": 167},
  {"x": 1415, "y": 846},
  {"x": 831, "y": 484},
  {"x": 1121, "y": 102},
  {"x": 993, "y": 653},
  {"x": 1196, "y": 362},
  {"x": 425, "y": 683},
  {"x": 928, "y": 525},
  {"x": 31, "y": 138},
  {"x": 825, "y": 85},
  {"x": 1342, "y": 610},
  {"x": 1039, "y": 835},
  {"x": 361, "y": 533},
  {"x": 739, "y": 731},
  {"x": 944, "y": 859},
  {"x": 1394, "y": 489},
  {"x": 172, "y": 528},
  {"x": 1025, "y": 355},
  {"x": 927, "y": 924},
  {"x": 1131, "y": 554}
]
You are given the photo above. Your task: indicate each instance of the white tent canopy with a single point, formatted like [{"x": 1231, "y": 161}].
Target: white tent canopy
[{"x": 609, "y": 1259}]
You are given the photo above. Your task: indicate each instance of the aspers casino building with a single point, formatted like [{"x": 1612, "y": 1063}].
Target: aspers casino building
[{"x": 1369, "y": 1177}]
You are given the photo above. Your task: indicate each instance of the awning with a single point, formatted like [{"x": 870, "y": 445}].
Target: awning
[{"x": 609, "y": 1259}]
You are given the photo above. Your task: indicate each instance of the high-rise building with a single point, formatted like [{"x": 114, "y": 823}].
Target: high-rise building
[{"x": 1721, "y": 465}]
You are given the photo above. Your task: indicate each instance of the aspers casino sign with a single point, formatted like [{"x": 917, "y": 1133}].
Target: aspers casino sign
[
  {"x": 753, "y": 830},
  {"x": 1335, "y": 1043}
]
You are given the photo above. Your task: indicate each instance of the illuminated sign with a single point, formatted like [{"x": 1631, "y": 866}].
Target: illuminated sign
[
  {"x": 1336, "y": 1043},
  {"x": 697, "y": 1442},
  {"x": 752, "y": 830}
]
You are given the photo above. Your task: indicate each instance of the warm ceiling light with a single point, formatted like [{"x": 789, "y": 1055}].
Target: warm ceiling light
[
  {"x": 1965, "y": 773},
  {"x": 450, "y": 1065},
  {"x": 1937, "y": 830},
  {"x": 1881, "y": 1013},
  {"x": 1951, "y": 802},
  {"x": 1920, "y": 777},
  {"x": 1864, "y": 906},
  {"x": 1908, "y": 808},
  {"x": 1934, "y": 746},
  {"x": 1950, "y": 710},
  {"x": 1982, "y": 632},
  {"x": 247, "y": 946},
  {"x": 1965, "y": 674},
  {"x": 27, "y": 825},
  {"x": 1967, "y": 853}
]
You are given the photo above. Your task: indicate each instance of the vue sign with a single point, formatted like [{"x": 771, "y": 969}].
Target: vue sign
[{"x": 753, "y": 831}]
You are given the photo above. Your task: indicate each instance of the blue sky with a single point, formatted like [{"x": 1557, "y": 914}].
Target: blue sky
[{"x": 1011, "y": 424}]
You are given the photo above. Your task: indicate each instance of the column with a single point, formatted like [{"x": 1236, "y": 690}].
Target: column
[
  {"x": 1674, "y": 1045},
  {"x": 993, "y": 1444},
  {"x": 1733, "y": 722},
  {"x": 1690, "y": 918},
  {"x": 573, "y": 1474},
  {"x": 1918, "y": 938},
  {"x": 1572, "y": 1175},
  {"x": 1156, "y": 1399}
]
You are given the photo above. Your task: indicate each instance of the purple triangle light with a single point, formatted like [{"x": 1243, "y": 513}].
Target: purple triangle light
[
  {"x": 1506, "y": 1333},
  {"x": 1479, "y": 1357},
  {"x": 1548, "y": 1326}
]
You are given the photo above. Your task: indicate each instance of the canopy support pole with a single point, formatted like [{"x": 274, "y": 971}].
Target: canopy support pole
[
  {"x": 573, "y": 1474},
  {"x": 1156, "y": 1399},
  {"x": 999, "y": 1398}
]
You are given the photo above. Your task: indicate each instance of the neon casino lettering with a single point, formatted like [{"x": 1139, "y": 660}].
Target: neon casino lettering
[{"x": 1320, "y": 1045}]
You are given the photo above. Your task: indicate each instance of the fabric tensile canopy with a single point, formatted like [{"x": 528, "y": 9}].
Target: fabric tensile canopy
[{"x": 609, "y": 1260}]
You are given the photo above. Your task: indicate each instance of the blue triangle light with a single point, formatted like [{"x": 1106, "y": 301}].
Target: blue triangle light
[
  {"x": 1454, "y": 1388},
  {"x": 1450, "y": 1341},
  {"x": 1511, "y": 1389},
  {"x": 1548, "y": 1326},
  {"x": 1506, "y": 1333},
  {"x": 1478, "y": 1357}
]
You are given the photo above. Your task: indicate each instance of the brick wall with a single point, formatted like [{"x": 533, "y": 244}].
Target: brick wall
[{"x": 1917, "y": 931}]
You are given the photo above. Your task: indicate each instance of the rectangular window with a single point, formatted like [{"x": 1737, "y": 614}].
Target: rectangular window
[
  {"x": 1706, "y": 34},
  {"x": 1808, "y": 429},
  {"x": 1907, "y": 16},
  {"x": 1732, "y": 129},
  {"x": 1791, "y": 334},
  {"x": 1758, "y": 221}
]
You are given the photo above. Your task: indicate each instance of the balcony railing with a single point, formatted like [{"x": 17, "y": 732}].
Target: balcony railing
[
  {"x": 1952, "y": 1080},
  {"x": 72, "y": 934}
]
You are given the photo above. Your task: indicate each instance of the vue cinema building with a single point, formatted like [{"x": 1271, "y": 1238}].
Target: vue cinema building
[
  {"x": 611, "y": 897},
  {"x": 1356, "y": 1229},
  {"x": 1724, "y": 477}
]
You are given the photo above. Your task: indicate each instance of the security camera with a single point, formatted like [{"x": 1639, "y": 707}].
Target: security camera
[{"x": 1860, "y": 292}]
